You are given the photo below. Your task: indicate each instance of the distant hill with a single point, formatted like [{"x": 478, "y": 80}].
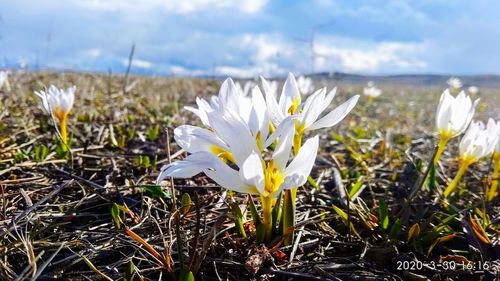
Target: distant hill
[{"x": 483, "y": 81}]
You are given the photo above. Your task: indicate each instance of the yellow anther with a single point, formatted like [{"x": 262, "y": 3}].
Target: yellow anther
[
  {"x": 294, "y": 106},
  {"x": 224, "y": 155},
  {"x": 259, "y": 140},
  {"x": 273, "y": 178}
]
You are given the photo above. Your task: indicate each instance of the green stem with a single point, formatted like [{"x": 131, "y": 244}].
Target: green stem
[
  {"x": 441, "y": 146},
  {"x": 267, "y": 216},
  {"x": 64, "y": 133},
  {"x": 492, "y": 193},
  {"x": 456, "y": 180}
]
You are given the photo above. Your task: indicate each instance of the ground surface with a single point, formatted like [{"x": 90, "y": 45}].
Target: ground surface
[{"x": 55, "y": 214}]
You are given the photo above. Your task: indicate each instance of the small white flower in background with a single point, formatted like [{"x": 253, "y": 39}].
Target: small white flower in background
[
  {"x": 57, "y": 101},
  {"x": 454, "y": 83},
  {"x": 479, "y": 141},
  {"x": 4, "y": 81},
  {"x": 473, "y": 90},
  {"x": 371, "y": 91},
  {"x": 246, "y": 89},
  {"x": 305, "y": 84}
]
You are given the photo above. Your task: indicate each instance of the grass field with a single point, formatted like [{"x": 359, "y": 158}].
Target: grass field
[{"x": 56, "y": 210}]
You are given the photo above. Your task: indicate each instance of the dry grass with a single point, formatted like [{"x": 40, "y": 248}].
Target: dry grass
[{"x": 55, "y": 214}]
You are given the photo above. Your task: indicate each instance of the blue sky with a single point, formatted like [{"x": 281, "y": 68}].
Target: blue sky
[{"x": 253, "y": 37}]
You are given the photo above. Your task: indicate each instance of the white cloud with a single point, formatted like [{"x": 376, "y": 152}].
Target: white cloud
[
  {"x": 92, "y": 53},
  {"x": 365, "y": 56},
  {"x": 265, "y": 69},
  {"x": 138, "y": 63},
  {"x": 174, "y": 6}
]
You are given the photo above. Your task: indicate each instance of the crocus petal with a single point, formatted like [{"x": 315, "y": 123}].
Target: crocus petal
[
  {"x": 272, "y": 105},
  {"x": 260, "y": 113},
  {"x": 289, "y": 93},
  {"x": 313, "y": 107},
  {"x": 302, "y": 164},
  {"x": 233, "y": 131},
  {"x": 194, "y": 139},
  {"x": 282, "y": 152},
  {"x": 288, "y": 122},
  {"x": 252, "y": 172},
  {"x": 329, "y": 98},
  {"x": 336, "y": 115}
]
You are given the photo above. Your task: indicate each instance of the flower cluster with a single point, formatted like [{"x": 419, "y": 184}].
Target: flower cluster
[
  {"x": 454, "y": 117},
  {"x": 253, "y": 144}
]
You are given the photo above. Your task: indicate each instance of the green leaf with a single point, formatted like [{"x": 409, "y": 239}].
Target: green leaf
[
  {"x": 253, "y": 210},
  {"x": 186, "y": 203},
  {"x": 383, "y": 214},
  {"x": 431, "y": 182},
  {"x": 129, "y": 272},
  {"x": 156, "y": 191},
  {"x": 186, "y": 275},
  {"x": 440, "y": 240},
  {"x": 356, "y": 189},
  {"x": 312, "y": 182},
  {"x": 345, "y": 218},
  {"x": 152, "y": 134},
  {"x": 395, "y": 229},
  {"x": 414, "y": 232},
  {"x": 338, "y": 137},
  {"x": 288, "y": 214},
  {"x": 260, "y": 233},
  {"x": 276, "y": 215},
  {"x": 238, "y": 219},
  {"x": 41, "y": 152},
  {"x": 115, "y": 214}
]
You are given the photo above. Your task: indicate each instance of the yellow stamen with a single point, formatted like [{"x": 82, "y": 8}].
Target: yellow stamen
[
  {"x": 259, "y": 141},
  {"x": 294, "y": 106},
  {"x": 273, "y": 178},
  {"x": 224, "y": 155},
  {"x": 297, "y": 138}
]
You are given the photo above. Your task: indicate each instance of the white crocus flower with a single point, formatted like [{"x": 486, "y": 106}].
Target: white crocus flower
[
  {"x": 58, "y": 103},
  {"x": 371, "y": 91},
  {"x": 473, "y": 90},
  {"x": 4, "y": 81},
  {"x": 310, "y": 111},
  {"x": 453, "y": 117},
  {"x": 479, "y": 141},
  {"x": 305, "y": 85},
  {"x": 454, "y": 83}
]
